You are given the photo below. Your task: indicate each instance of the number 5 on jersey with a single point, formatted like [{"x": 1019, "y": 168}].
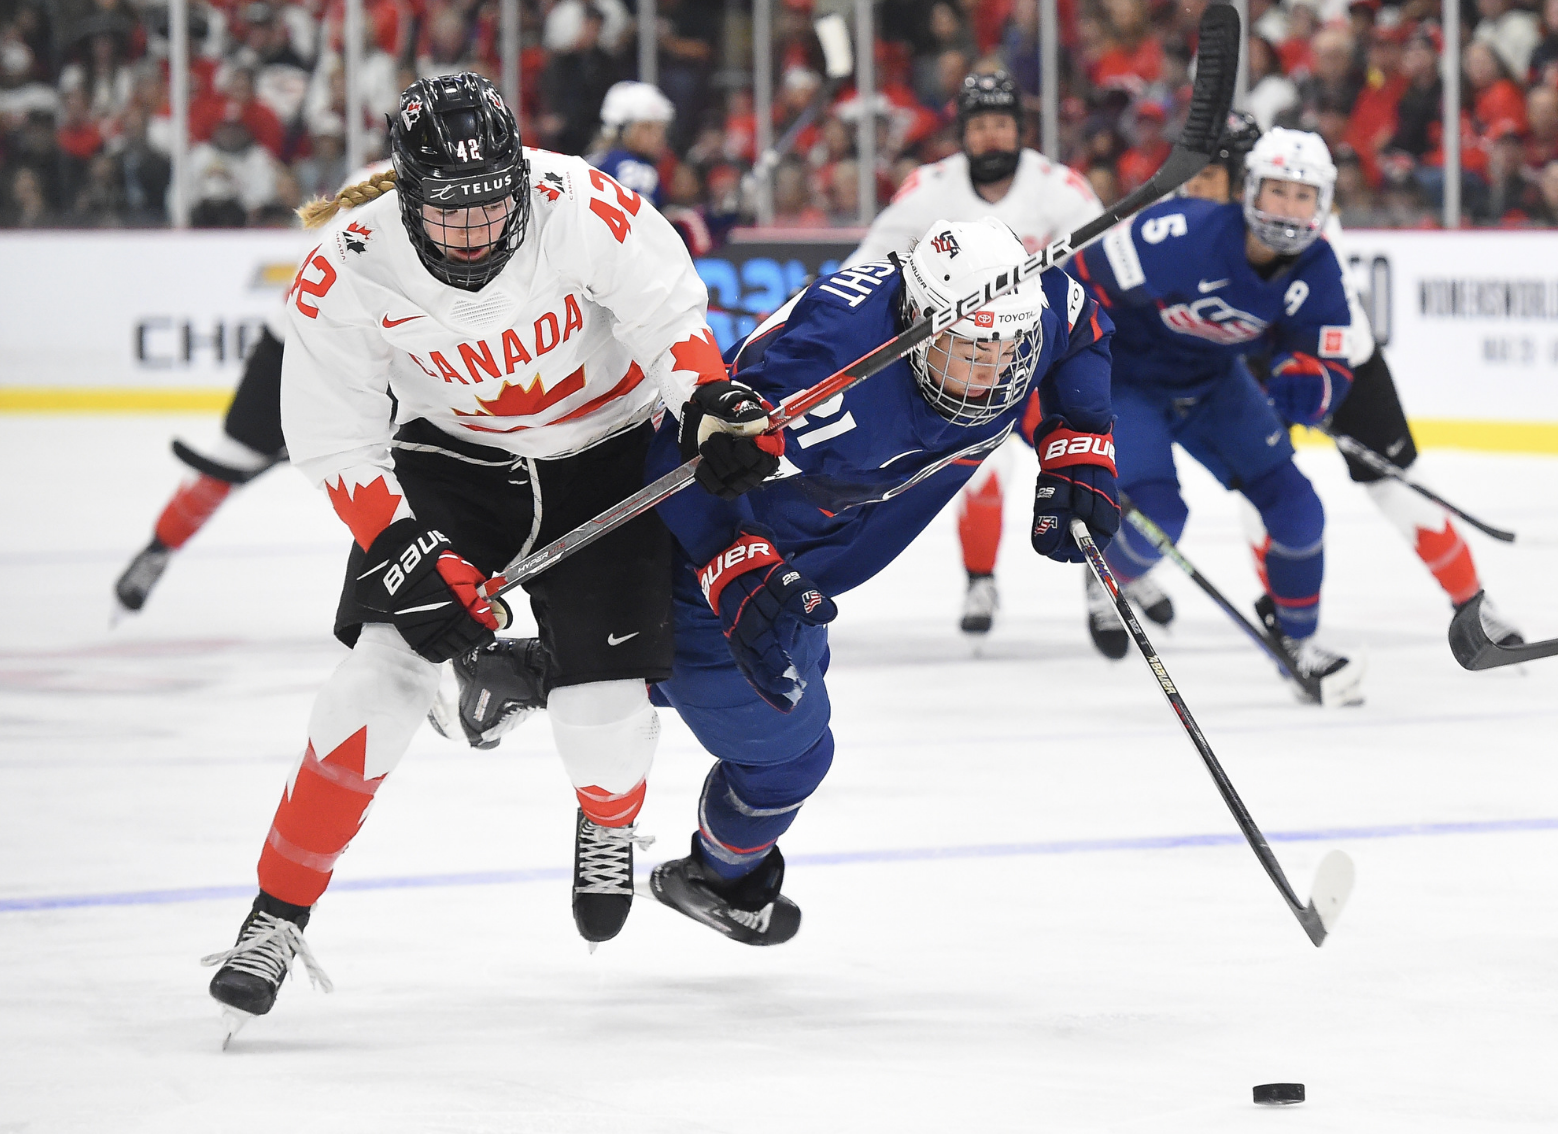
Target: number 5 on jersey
[{"x": 615, "y": 218}]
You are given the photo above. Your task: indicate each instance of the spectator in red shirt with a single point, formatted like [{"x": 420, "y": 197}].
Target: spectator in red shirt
[
  {"x": 1373, "y": 118},
  {"x": 1132, "y": 57},
  {"x": 1297, "y": 52},
  {"x": 1498, "y": 103},
  {"x": 1141, "y": 161},
  {"x": 237, "y": 104}
]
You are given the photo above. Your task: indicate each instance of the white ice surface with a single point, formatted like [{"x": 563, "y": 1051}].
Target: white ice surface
[{"x": 1027, "y": 979}]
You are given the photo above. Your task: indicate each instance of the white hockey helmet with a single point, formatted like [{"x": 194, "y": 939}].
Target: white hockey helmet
[
  {"x": 1288, "y": 155},
  {"x": 634, "y": 102},
  {"x": 981, "y": 365}
]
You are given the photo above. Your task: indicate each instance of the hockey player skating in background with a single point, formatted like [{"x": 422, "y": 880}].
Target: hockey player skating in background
[
  {"x": 993, "y": 176},
  {"x": 1371, "y": 413},
  {"x": 250, "y": 443},
  {"x": 634, "y": 119},
  {"x": 1192, "y": 287},
  {"x": 527, "y": 314},
  {"x": 862, "y": 477}
]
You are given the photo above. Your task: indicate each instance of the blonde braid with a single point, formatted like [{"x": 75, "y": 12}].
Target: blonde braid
[{"x": 320, "y": 210}]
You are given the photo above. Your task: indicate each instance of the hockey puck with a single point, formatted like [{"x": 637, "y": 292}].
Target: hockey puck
[{"x": 1279, "y": 1094}]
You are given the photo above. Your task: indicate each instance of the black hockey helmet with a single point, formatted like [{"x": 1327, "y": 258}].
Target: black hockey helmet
[
  {"x": 984, "y": 94},
  {"x": 1238, "y": 138},
  {"x": 455, "y": 145},
  {"x": 981, "y": 94}
]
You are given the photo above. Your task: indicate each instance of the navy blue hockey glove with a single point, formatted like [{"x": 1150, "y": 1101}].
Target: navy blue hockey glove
[
  {"x": 430, "y": 594},
  {"x": 1303, "y": 389},
  {"x": 723, "y": 422},
  {"x": 762, "y": 603},
  {"x": 1076, "y": 481}
]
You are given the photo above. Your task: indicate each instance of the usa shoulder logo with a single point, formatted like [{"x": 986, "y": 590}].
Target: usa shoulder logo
[{"x": 946, "y": 244}]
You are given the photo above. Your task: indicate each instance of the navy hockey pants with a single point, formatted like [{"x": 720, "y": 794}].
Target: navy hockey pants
[
  {"x": 768, "y": 762},
  {"x": 1233, "y": 431}
]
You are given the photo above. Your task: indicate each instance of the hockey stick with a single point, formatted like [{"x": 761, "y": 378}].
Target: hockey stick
[
  {"x": 1472, "y": 647},
  {"x": 1333, "y": 881},
  {"x": 1169, "y": 550},
  {"x": 1355, "y": 448},
  {"x": 1217, "y": 62}
]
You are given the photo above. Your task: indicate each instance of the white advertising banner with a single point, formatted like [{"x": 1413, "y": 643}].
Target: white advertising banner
[
  {"x": 84, "y": 310},
  {"x": 1469, "y": 320}
]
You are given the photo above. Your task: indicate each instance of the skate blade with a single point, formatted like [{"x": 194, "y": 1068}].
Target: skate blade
[
  {"x": 117, "y": 613},
  {"x": 233, "y": 1019}
]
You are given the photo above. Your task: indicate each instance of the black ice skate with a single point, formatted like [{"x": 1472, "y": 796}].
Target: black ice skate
[
  {"x": 1150, "y": 599},
  {"x": 1320, "y": 676},
  {"x": 496, "y": 687},
  {"x": 141, "y": 576},
  {"x": 750, "y": 909},
  {"x": 1103, "y": 621},
  {"x": 603, "y": 878},
  {"x": 980, "y": 604},
  {"x": 253, "y": 969}
]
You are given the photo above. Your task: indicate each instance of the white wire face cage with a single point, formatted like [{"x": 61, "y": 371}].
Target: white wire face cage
[{"x": 1001, "y": 383}]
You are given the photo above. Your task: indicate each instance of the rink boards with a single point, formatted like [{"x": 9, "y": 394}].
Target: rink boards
[{"x": 160, "y": 321}]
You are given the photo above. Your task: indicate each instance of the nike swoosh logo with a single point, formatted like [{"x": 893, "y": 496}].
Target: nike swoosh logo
[
  {"x": 1209, "y": 285},
  {"x": 613, "y": 640},
  {"x": 388, "y": 322}
]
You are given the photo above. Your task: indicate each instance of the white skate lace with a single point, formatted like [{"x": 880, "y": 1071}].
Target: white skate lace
[
  {"x": 266, "y": 950},
  {"x": 981, "y": 599},
  {"x": 1313, "y": 659},
  {"x": 756, "y": 920},
  {"x": 605, "y": 858}
]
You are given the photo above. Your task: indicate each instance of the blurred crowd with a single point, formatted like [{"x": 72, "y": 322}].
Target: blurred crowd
[{"x": 85, "y": 128}]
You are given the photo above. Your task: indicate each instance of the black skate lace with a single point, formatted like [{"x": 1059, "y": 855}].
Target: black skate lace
[
  {"x": 605, "y": 862},
  {"x": 266, "y": 949}
]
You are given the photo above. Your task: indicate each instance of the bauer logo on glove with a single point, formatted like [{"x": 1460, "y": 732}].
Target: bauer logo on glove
[{"x": 410, "y": 557}]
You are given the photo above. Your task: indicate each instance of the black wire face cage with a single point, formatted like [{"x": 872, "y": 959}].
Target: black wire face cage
[
  {"x": 457, "y": 152},
  {"x": 1007, "y": 387}
]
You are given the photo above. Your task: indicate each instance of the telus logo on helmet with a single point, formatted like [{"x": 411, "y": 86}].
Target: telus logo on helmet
[{"x": 472, "y": 189}]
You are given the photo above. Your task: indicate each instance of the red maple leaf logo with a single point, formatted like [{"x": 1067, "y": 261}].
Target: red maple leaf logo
[
  {"x": 551, "y": 193},
  {"x": 359, "y": 230},
  {"x": 700, "y": 354},
  {"x": 524, "y": 401},
  {"x": 367, "y": 510}
]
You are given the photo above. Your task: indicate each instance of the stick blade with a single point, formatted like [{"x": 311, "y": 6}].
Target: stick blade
[
  {"x": 837, "y": 53},
  {"x": 1332, "y": 888},
  {"x": 1217, "y": 71},
  {"x": 1472, "y": 647}
]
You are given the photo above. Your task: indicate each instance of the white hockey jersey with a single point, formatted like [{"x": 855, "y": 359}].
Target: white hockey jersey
[
  {"x": 1360, "y": 336},
  {"x": 1045, "y": 201},
  {"x": 598, "y": 315}
]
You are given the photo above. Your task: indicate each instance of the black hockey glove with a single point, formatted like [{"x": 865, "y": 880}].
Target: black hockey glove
[
  {"x": 432, "y": 596},
  {"x": 724, "y": 422},
  {"x": 1076, "y": 481},
  {"x": 762, "y": 603}
]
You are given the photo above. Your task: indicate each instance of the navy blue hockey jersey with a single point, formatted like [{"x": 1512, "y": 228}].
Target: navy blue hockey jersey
[
  {"x": 1186, "y": 302},
  {"x": 864, "y": 473}
]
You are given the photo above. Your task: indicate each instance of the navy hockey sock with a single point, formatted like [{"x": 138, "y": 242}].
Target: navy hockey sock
[
  {"x": 1294, "y": 555},
  {"x": 746, "y": 807},
  {"x": 1130, "y": 556}
]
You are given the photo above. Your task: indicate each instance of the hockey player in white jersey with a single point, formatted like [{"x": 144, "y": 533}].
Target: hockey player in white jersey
[
  {"x": 474, "y": 359},
  {"x": 992, "y": 176}
]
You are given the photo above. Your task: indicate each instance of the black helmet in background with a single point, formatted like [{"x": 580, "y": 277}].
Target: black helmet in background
[{"x": 984, "y": 94}]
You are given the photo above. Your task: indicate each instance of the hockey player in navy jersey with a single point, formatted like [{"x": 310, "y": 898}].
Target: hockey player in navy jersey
[
  {"x": 1192, "y": 286},
  {"x": 859, "y": 478},
  {"x": 634, "y": 119}
]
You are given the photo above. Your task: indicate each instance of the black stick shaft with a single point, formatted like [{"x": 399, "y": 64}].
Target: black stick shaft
[
  {"x": 1170, "y": 551},
  {"x": 1225, "y": 788},
  {"x": 1355, "y": 448}
]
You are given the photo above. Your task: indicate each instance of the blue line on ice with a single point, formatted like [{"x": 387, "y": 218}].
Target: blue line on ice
[{"x": 842, "y": 858}]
